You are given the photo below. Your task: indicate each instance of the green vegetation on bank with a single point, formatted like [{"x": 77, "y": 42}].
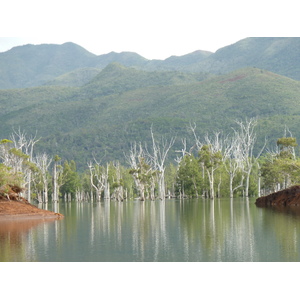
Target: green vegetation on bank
[{"x": 216, "y": 165}]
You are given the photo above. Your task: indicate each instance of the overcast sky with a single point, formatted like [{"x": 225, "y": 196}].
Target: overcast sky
[{"x": 155, "y": 29}]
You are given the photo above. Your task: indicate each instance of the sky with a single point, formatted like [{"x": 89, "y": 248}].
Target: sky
[{"x": 155, "y": 29}]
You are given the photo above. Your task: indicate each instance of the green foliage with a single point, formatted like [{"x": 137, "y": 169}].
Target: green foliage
[
  {"x": 283, "y": 168},
  {"x": 286, "y": 143},
  {"x": 7, "y": 177},
  {"x": 5, "y": 141},
  {"x": 209, "y": 158},
  {"x": 71, "y": 177},
  {"x": 286, "y": 146},
  {"x": 57, "y": 158},
  {"x": 18, "y": 153},
  {"x": 189, "y": 177}
]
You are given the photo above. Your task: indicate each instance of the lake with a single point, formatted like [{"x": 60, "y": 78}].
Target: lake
[{"x": 155, "y": 231}]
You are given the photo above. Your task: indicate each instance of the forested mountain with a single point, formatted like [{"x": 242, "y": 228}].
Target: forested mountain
[
  {"x": 74, "y": 78},
  {"x": 278, "y": 55},
  {"x": 120, "y": 104},
  {"x": 72, "y": 65},
  {"x": 31, "y": 65},
  {"x": 179, "y": 63}
]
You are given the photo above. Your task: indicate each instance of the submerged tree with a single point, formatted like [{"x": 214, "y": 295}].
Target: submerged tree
[
  {"x": 158, "y": 157},
  {"x": 210, "y": 156},
  {"x": 43, "y": 162},
  {"x": 71, "y": 180},
  {"x": 233, "y": 162},
  {"x": 141, "y": 172},
  {"x": 25, "y": 147},
  {"x": 246, "y": 137},
  {"x": 56, "y": 185},
  {"x": 189, "y": 177},
  {"x": 281, "y": 168},
  {"x": 116, "y": 181}
]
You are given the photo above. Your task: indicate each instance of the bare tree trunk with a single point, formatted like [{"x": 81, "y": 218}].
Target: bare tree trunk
[
  {"x": 211, "y": 183},
  {"x": 247, "y": 139},
  {"x": 158, "y": 158},
  {"x": 106, "y": 185},
  {"x": 99, "y": 180},
  {"x": 140, "y": 169},
  {"x": 43, "y": 162},
  {"x": 55, "y": 193},
  {"x": 26, "y": 145}
]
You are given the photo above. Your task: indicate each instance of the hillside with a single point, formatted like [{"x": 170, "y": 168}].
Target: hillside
[
  {"x": 74, "y": 78},
  {"x": 278, "y": 55},
  {"x": 116, "y": 78},
  {"x": 31, "y": 65},
  {"x": 71, "y": 65},
  {"x": 178, "y": 63},
  {"x": 104, "y": 116}
]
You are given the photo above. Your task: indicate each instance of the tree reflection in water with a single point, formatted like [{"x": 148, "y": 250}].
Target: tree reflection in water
[{"x": 171, "y": 230}]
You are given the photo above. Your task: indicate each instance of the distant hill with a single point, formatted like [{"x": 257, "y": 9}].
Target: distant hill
[
  {"x": 178, "y": 63},
  {"x": 30, "y": 65},
  {"x": 127, "y": 59},
  {"x": 278, "y": 55},
  {"x": 120, "y": 104},
  {"x": 74, "y": 78},
  {"x": 116, "y": 78},
  {"x": 71, "y": 65}
]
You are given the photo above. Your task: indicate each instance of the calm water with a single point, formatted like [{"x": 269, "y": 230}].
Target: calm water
[{"x": 174, "y": 230}]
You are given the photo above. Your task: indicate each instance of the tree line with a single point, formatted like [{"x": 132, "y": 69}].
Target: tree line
[{"x": 215, "y": 165}]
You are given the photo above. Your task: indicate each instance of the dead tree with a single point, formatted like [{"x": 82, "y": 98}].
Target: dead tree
[
  {"x": 98, "y": 179},
  {"x": 140, "y": 169},
  {"x": 158, "y": 156},
  {"x": 43, "y": 162},
  {"x": 247, "y": 138}
]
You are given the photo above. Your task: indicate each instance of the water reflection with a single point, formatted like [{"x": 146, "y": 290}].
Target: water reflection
[
  {"x": 17, "y": 238},
  {"x": 171, "y": 230},
  {"x": 282, "y": 224}
]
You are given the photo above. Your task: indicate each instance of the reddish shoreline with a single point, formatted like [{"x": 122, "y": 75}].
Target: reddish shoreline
[
  {"x": 289, "y": 197},
  {"x": 12, "y": 209}
]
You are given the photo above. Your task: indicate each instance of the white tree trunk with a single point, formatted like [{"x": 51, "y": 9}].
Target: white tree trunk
[{"x": 158, "y": 158}]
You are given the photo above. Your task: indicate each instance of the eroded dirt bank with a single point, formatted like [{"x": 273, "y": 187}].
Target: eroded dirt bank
[
  {"x": 289, "y": 197},
  {"x": 14, "y": 206}
]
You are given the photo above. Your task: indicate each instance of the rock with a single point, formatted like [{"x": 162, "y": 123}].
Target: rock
[{"x": 287, "y": 197}]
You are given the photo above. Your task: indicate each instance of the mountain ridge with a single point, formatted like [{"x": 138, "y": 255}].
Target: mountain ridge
[{"x": 34, "y": 65}]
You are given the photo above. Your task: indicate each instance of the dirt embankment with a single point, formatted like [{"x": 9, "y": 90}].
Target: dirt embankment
[
  {"x": 14, "y": 206},
  {"x": 289, "y": 197}
]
